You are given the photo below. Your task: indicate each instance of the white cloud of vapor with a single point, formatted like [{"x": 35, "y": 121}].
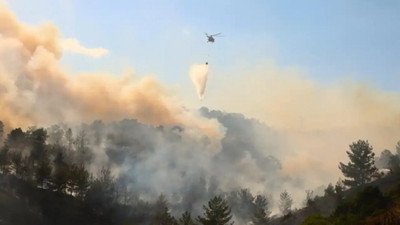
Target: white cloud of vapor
[{"x": 72, "y": 45}]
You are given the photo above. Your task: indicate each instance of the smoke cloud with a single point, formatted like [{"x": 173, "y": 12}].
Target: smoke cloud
[
  {"x": 73, "y": 45},
  {"x": 317, "y": 122},
  {"x": 198, "y": 73},
  {"x": 35, "y": 91}
]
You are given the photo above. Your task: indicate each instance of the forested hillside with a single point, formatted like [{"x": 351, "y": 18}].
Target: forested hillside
[{"x": 58, "y": 175}]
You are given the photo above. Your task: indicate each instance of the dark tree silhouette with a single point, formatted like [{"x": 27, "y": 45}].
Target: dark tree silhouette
[
  {"x": 361, "y": 167},
  {"x": 186, "y": 219},
  {"x": 261, "y": 214},
  {"x": 1, "y": 130},
  {"x": 101, "y": 191},
  {"x": 216, "y": 213},
  {"x": 394, "y": 163},
  {"x": 242, "y": 204},
  {"x": 4, "y": 160},
  {"x": 164, "y": 218},
  {"x": 37, "y": 139},
  {"x": 17, "y": 162},
  {"x": 16, "y": 140},
  {"x": 285, "y": 203},
  {"x": 61, "y": 177},
  {"x": 43, "y": 171},
  {"x": 79, "y": 180}
]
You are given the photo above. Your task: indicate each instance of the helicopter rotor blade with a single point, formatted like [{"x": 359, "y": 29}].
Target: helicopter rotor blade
[{"x": 216, "y": 34}]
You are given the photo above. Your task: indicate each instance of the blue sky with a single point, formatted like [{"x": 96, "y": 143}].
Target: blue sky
[{"x": 329, "y": 40}]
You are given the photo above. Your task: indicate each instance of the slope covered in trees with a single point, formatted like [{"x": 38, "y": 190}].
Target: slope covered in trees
[{"x": 117, "y": 173}]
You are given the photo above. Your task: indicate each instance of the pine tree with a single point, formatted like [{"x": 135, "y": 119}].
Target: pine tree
[
  {"x": 242, "y": 205},
  {"x": 164, "y": 218},
  {"x": 261, "y": 214},
  {"x": 162, "y": 215},
  {"x": 186, "y": 219},
  {"x": 285, "y": 203},
  {"x": 361, "y": 167},
  {"x": 216, "y": 213}
]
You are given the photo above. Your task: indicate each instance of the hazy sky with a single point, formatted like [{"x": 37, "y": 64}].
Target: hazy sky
[{"x": 327, "y": 40}]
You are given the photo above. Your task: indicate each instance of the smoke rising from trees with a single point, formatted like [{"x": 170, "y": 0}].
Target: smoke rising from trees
[{"x": 175, "y": 150}]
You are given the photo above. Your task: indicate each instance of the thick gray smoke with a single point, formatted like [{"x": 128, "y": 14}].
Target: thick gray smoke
[{"x": 189, "y": 171}]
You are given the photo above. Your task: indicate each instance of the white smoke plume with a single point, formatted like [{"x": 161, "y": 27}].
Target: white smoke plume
[
  {"x": 198, "y": 73},
  {"x": 73, "y": 45}
]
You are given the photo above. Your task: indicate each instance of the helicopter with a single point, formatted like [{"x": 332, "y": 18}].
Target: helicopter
[{"x": 211, "y": 37}]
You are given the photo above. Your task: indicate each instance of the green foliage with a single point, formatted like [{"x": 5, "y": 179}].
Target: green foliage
[
  {"x": 101, "y": 191},
  {"x": 361, "y": 168},
  {"x": 164, "y": 218},
  {"x": 16, "y": 140},
  {"x": 365, "y": 203},
  {"x": 394, "y": 163},
  {"x": 330, "y": 190},
  {"x": 61, "y": 177},
  {"x": 216, "y": 213},
  {"x": 242, "y": 204},
  {"x": 261, "y": 213},
  {"x": 37, "y": 139},
  {"x": 43, "y": 171},
  {"x": 186, "y": 219},
  {"x": 79, "y": 180},
  {"x": 316, "y": 219},
  {"x": 4, "y": 160}
]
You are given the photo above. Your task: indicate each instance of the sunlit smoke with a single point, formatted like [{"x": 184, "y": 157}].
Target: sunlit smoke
[
  {"x": 198, "y": 73},
  {"x": 35, "y": 91},
  {"x": 73, "y": 45}
]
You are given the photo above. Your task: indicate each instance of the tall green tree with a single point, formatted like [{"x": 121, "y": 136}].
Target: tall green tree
[
  {"x": 361, "y": 168},
  {"x": 186, "y": 219},
  {"x": 217, "y": 212},
  {"x": 164, "y": 218},
  {"x": 261, "y": 214},
  {"x": 162, "y": 215}
]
